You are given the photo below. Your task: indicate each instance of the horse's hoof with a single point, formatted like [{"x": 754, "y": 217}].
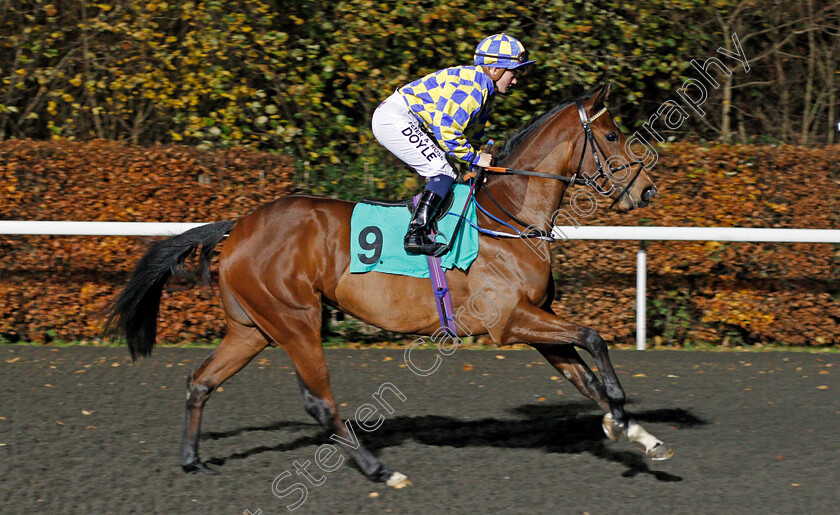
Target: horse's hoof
[
  {"x": 660, "y": 452},
  {"x": 398, "y": 481},
  {"x": 611, "y": 429},
  {"x": 199, "y": 467}
]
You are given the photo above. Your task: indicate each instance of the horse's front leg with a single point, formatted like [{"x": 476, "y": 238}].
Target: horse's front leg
[
  {"x": 566, "y": 360},
  {"x": 554, "y": 338}
]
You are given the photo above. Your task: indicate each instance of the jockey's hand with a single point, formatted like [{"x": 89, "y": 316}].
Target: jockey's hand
[{"x": 484, "y": 160}]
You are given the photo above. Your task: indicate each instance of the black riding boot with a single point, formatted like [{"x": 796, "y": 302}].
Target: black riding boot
[{"x": 417, "y": 239}]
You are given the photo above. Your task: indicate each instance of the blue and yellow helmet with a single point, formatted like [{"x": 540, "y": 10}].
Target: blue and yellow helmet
[{"x": 501, "y": 51}]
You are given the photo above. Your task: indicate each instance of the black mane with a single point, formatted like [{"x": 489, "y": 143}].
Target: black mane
[{"x": 522, "y": 134}]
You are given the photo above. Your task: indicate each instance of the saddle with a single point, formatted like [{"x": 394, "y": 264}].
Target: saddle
[
  {"x": 445, "y": 206},
  {"x": 377, "y": 229},
  {"x": 376, "y": 244}
]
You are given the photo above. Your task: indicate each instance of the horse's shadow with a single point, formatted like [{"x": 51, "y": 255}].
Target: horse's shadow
[{"x": 569, "y": 428}]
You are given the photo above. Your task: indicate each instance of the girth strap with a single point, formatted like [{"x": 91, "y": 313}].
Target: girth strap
[{"x": 443, "y": 302}]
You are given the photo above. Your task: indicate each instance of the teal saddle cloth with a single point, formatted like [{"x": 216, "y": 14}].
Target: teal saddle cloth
[{"x": 376, "y": 238}]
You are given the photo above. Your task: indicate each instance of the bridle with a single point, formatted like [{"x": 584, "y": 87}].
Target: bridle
[
  {"x": 579, "y": 177},
  {"x": 596, "y": 147}
]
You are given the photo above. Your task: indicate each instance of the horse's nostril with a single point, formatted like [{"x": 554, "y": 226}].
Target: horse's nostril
[{"x": 648, "y": 193}]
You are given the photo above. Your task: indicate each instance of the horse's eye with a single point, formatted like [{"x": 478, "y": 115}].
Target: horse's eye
[{"x": 612, "y": 136}]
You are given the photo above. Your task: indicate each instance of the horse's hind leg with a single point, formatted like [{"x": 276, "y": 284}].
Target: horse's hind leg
[
  {"x": 298, "y": 332},
  {"x": 239, "y": 346},
  {"x": 318, "y": 401}
]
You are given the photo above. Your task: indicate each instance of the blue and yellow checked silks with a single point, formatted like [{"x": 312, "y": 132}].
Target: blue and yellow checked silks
[
  {"x": 454, "y": 104},
  {"x": 494, "y": 47},
  {"x": 501, "y": 51},
  {"x": 376, "y": 239}
]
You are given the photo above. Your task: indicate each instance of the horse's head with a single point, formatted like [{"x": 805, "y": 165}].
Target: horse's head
[{"x": 603, "y": 157}]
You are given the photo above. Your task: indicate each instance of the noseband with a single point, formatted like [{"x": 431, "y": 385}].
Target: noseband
[{"x": 579, "y": 177}]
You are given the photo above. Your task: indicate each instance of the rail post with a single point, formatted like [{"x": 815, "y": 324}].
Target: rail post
[{"x": 641, "y": 296}]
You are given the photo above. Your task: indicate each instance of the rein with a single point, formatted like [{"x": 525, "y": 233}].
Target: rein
[{"x": 578, "y": 178}]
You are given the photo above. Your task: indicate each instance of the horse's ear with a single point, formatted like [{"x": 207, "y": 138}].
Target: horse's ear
[{"x": 602, "y": 94}]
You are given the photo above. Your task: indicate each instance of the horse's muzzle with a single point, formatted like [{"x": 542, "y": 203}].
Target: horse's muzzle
[{"x": 648, "y": 194}]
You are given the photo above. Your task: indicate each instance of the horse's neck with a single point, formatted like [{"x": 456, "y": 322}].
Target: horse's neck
[{"x": 534, "y": 199}]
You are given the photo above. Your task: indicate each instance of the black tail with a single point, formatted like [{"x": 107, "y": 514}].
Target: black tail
[{"x": 134, "y": 312}]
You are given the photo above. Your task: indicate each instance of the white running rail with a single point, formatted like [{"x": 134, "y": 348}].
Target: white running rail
[
  {"x": 640, "y": 234},
  {"x": 95, "y": 228}
]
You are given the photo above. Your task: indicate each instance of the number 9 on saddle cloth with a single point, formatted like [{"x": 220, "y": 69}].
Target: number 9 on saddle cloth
[{"x": 377, "y": 230}]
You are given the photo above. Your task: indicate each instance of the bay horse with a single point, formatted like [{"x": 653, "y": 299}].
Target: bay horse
[{"x": 280, "y": 263}]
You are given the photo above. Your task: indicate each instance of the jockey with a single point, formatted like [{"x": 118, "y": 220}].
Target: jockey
[{"x": 451, "y": 105}]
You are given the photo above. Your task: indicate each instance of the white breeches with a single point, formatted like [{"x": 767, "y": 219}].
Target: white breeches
[{"x": 400, "y": 132}]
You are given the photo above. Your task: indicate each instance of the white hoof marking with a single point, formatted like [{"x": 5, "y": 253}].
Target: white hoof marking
[
  {"x": 636, "y": 433},
  {"x": 398, "y": 481}
]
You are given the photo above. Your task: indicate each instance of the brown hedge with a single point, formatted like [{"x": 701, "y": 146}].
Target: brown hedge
[
  {"x": 52, "y": 287},
  {"x": 711, "y": 292}
]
